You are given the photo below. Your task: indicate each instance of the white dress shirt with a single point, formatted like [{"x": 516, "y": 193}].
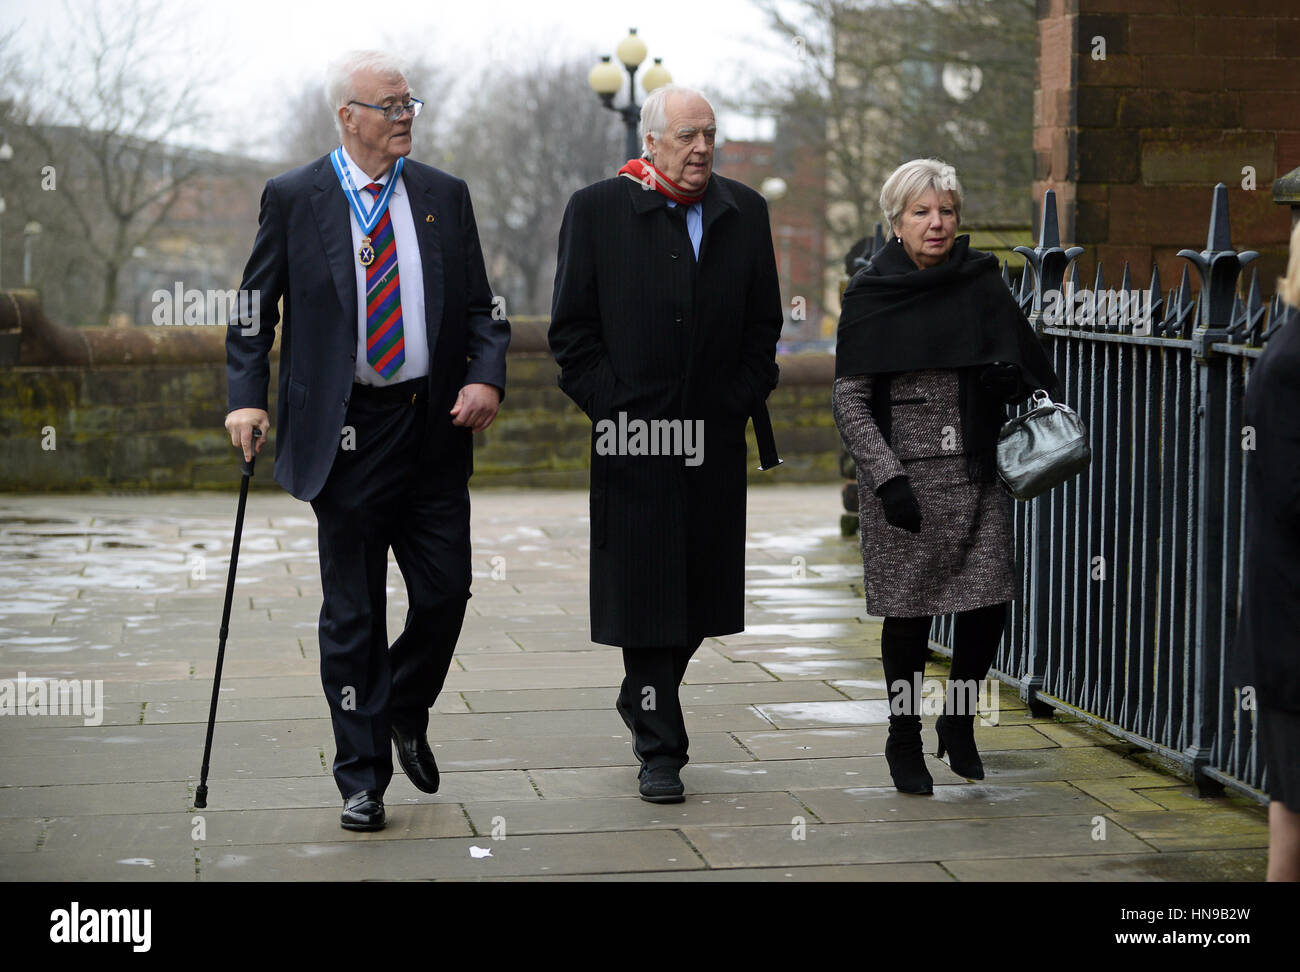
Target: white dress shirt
[{"x": 410, "y": 281}]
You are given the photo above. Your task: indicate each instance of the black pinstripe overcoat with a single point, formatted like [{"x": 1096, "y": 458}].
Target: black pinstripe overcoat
[{"x": 641, "y": 329}]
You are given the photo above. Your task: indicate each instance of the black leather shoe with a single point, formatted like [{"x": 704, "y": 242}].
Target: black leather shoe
[
  {"x": 417, "y": 760},
  {"x": 662, "y": 785},
  {"x": 363, "y": 811}
]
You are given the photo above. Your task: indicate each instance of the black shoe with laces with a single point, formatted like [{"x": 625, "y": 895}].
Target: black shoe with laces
[{"x": 663, "y": 784}]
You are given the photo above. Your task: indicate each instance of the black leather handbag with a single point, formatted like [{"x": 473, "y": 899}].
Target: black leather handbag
[{"x": 1042, "y": 448}]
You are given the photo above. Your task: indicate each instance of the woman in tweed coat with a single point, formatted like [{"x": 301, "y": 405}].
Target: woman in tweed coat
[{"x": 931, "y": 349}]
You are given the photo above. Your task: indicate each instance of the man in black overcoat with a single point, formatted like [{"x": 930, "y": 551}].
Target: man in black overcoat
[{"x": 664, "y": 322}]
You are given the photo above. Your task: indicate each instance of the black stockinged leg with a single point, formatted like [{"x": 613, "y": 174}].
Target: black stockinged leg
[{"x": 201, "y": 794}]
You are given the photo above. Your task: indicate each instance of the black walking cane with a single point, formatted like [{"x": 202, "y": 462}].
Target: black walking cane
[{"x": 201, "y": 794}]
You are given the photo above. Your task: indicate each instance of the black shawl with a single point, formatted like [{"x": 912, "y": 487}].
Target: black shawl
[{"x": 958, "y": 314}]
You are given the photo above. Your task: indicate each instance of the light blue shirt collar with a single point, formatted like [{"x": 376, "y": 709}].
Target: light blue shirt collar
[{"x": 694, "y": 224}]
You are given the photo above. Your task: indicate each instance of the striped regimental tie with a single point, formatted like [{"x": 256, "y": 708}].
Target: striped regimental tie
[{"x": 385, "y": 348}]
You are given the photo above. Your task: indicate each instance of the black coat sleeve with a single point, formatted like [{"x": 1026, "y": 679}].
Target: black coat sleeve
[
  {"x": 249, "y": 336},
  {"x": 758, "y": 371},
  {"x": 488, "y": 329},
  {"x": 575, "y": 332}
]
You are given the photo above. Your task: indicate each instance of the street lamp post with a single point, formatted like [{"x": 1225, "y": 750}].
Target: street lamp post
[
  {"x": 6, "y": 153},
  {"x": 606, "y": 81},
  {"x": 30, "y": 232}
]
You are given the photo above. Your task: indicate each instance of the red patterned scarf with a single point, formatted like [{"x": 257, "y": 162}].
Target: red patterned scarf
[{"x": 644, "y": 172}]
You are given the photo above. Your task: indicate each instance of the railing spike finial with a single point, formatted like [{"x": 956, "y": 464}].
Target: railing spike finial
[
  {"x": 1047, "y": 260},
  {"x": 1155, "y": 301},
  {"x": 1237, "y": 323},
  {"x": 1254, "y": 309},
  {"x": 1180, "y": 319},
  {"x": 1125, "y": 307},
  {"x": 1026, "y": 297},
  {"x": 1220, "y": 235},
  {"x": 1169, "y": 322},
  {"x": 1277, "y": 312},
  {"x": 1218, "y": 266},
  {"x": 1049, "y": 235}
]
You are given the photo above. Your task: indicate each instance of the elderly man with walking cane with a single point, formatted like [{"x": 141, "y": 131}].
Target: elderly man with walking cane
[{"x": 391, "y": 357}]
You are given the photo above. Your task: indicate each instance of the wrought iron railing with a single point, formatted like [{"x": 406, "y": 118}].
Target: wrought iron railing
[{"x": 1130, "y": 573}]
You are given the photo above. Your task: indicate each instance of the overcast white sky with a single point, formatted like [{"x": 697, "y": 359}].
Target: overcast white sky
[{"x": 264, "y": 48}]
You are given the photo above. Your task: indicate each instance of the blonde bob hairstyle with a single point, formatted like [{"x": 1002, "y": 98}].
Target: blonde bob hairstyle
[
  {"x": 1289, "y": 286},
  {"x": 913, "y": 179}
]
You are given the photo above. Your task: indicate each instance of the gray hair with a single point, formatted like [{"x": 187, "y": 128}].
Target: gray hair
[
  {"x": 340, "y": 87},
  {"x": 654, "y": 112},
  {"x": 912, "y": 179}
]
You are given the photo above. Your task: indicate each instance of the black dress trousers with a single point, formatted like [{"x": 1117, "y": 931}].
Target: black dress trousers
[
  {"x": 387, "y": 492},
  {"x": 660, "y": 736}
]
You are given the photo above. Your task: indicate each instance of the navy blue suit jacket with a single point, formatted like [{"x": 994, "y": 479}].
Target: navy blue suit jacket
[{"x": 303, "y": 254}]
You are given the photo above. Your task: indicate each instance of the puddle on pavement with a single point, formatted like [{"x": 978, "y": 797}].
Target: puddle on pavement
[
  {"x": 32, "y": 605},
  {"x": 7, "y": 518},
  {"x": 808, "y": 632},
  {"x": 863, "y": 712},
  {"x": 968, "y": 793},
  {"x": 807, "y": 596},
  {"x": 793, "y": 651},
  {"x": 315, "y": 850},
  {"x": 800, "y": 542}
]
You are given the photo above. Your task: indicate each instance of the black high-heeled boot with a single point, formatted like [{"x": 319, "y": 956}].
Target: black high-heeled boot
[
  {"x": 903, "y": 650},
  {"x": 957, "y": 736},
  {"x": 906, "y": 756},
  {"x": 976, "y": 636}
]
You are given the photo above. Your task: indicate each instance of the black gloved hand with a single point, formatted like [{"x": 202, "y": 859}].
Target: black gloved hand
[
  {"x": 1002, "y": 381},
  {"x": 901, "y": 508}
]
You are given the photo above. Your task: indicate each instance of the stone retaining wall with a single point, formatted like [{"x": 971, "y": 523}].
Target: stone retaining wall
[{"x": 136, "y": 409}]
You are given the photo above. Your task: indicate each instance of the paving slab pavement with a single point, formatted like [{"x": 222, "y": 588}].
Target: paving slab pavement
[{"x": 787, "y": 780}]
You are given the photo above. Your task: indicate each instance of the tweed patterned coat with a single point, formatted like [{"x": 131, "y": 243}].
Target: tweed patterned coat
[{"x": 963, "y": 556}]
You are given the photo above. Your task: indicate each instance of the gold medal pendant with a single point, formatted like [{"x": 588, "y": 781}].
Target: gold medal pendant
[{"x": 366, "y": 255}]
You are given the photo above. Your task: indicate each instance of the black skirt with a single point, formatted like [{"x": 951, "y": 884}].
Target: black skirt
[{"x": 1279, "y": 747}]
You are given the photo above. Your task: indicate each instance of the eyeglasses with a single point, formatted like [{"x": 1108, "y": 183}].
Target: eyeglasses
[{"x": 393, "y": 112}]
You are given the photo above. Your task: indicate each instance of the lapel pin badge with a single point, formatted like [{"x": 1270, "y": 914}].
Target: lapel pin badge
[{"x": 429, "y": 218}]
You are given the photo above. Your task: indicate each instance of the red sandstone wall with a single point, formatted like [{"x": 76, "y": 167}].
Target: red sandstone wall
[{"x": 1185, "y": 97}]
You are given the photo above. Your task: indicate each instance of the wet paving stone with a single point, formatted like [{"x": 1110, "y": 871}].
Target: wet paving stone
[{"x": 788, "y": 719}]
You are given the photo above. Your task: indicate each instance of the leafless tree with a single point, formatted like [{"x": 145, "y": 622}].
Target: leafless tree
[
  {"x": 868, "y": 90},
  {"x": 528, "y": 138},
  {"x": 107, "y": 108}
]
